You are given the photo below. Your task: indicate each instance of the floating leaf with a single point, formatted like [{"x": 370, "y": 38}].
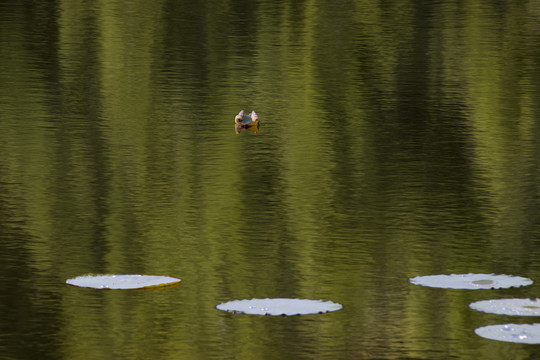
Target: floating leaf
[
  {"x": 123, "y": 282},
  {"x": 517, "y": 333},
  {"x": 279, "y": 306},
  {"x": 515, "y": 307},
  {"x": 471, "y": 281}
]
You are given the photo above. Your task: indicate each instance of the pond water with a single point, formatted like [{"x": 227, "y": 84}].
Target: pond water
[{"x": 397, "y": 139}]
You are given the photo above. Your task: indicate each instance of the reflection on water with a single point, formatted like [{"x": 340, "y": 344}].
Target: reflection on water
[{"x": 401, "y": 140}]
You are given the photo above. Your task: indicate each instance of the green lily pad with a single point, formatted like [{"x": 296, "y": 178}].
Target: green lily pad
[
  {"x": 281, "y": 307},
  {"x": 513, "y": 307},
  {"x": 516, "y": 333},
  {"x": 471, "y": 281},
  {"x": 123, "y": 282}
]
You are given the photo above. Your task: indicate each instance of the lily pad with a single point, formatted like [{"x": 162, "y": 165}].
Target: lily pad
[
  {"x": 123, "y": 282},
  {"x": 514, "y": 307},
  {"x": 471, "y": 281},
  {"x": 516, "y": 333},
  {"x": 281, "y": 307}
]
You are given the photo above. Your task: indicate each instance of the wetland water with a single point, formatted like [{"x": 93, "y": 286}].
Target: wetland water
[{"x": 397, "y": 139}]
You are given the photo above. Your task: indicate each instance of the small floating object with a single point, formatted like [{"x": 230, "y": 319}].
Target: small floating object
[
  {"x": 247, "y": 122},
  {"x": 278, "y": 307},
  {"x": 471, "y": 281},
  {"x": 516, "y": 333},
  {"x": 513, "y": 307},
  {"x": 123, "y": 282}
]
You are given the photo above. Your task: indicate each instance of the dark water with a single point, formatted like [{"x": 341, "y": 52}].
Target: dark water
[{"x": 397, "y": 139}]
